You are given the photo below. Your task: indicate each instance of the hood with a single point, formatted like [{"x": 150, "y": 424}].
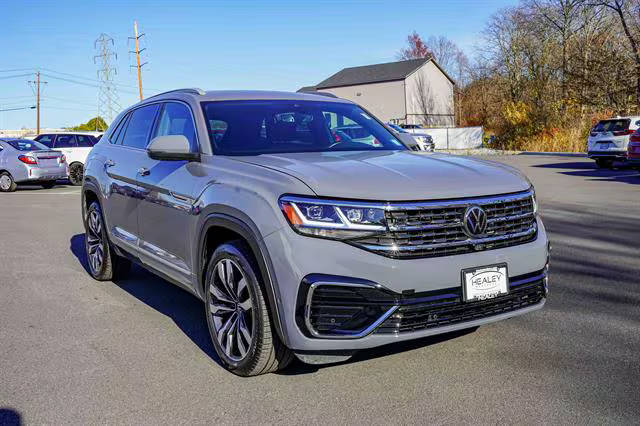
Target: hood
[{"x": 394, "y": 175}]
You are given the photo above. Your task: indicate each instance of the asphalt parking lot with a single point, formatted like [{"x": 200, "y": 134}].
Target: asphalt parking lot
[{"x": 73, "y": 350}]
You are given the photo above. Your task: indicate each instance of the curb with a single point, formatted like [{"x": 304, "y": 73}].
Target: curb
[{"x": 555, "y": 154}]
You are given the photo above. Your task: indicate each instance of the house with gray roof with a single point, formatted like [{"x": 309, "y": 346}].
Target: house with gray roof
[{"x": 417, "y": 91}]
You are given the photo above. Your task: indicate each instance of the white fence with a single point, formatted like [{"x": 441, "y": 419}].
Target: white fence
[{"x": 456, "y": 137}]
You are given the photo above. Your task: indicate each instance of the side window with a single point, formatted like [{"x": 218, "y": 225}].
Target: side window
[
  {"x": 46, "y": 140},
  {"x": 118, "y": 134},
  {"x": 85, "y": 141},
  {"x": 66, "y": 141},
  {"x": 175, "y": 119},
  {"x": 139, "y": 127}
]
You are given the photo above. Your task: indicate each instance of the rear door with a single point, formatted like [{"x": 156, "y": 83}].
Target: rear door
[
  {"x": 67, "y": 145},
  {"x": 166, "y": 206},
  {"x": 123, "y": 157}
]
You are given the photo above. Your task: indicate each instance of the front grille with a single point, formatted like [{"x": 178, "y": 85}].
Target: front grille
[
  {"x": 446, "y": 307},
  {"x": 432, "y": 229}
]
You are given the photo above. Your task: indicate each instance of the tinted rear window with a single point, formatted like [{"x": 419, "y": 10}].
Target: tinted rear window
[
  {"x": 612, "y": 125},
  {"x": 26, "y": 145}
]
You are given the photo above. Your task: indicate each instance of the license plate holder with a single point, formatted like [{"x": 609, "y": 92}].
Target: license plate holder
[{"x": 485, "y": 282}]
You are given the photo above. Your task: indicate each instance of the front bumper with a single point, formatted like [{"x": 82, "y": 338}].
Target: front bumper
[{"x": 296, "y": 257}]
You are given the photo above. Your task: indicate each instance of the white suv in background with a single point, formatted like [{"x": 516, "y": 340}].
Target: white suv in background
[
  {"x": 609, "y": 139},
  {"x": 75, "y": 146}
]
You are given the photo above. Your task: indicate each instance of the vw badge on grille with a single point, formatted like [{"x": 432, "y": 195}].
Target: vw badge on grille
[{"x": 475, "y": 221}]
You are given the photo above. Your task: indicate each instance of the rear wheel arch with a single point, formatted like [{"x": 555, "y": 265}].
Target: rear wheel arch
[{"x": 219, "y": 228}]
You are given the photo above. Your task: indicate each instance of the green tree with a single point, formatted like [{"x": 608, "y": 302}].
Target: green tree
[{"x": 95, "y": 124}]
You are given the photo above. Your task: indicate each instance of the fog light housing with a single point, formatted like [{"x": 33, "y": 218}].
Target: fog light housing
[{"x": 345, "y": 310}]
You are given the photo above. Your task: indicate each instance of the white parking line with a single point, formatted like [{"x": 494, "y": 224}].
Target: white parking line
[{"x": 41, "y": 192}]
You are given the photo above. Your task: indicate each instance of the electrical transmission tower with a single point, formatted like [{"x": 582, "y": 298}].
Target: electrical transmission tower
[{"x": 108, "y": 100}]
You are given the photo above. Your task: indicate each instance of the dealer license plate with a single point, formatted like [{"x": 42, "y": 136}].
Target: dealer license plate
[{"x": 485, "y": 282}]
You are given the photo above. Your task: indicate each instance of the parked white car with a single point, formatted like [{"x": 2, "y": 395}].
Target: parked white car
[
  {"x": 75, "y": 146},
  {"x": 609, "y": 139},
  {"x": 424, "y": 140}
]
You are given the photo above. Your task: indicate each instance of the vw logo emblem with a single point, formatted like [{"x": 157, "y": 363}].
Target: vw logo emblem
[{"x": 475, "y": 221}]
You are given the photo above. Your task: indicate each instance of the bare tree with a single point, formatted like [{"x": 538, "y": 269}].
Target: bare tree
[{"x": 627, "y": 12}]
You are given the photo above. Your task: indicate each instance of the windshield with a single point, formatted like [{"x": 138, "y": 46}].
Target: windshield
[
  {"x": 26, "y": 145},
  {"x": 280, "y": 126}
]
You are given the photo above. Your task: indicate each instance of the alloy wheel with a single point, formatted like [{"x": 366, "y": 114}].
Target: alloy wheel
[
  {"x": 5, "y": 182},
  {"x": 76, "y": 174},
  {"x": 95, "y": 246},
  {"x": 231, "y": 309}
]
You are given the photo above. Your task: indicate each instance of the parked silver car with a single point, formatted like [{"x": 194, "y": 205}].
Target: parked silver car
[
  {"x": 27, "y": 161},
  {"x": 301, "y": 240}
]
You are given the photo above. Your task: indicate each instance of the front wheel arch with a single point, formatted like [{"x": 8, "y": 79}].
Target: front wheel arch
[{"x": 261, "y": 256}]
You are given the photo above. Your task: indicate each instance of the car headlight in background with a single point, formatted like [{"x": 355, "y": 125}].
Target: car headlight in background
[{"x": 333, "y": 219}]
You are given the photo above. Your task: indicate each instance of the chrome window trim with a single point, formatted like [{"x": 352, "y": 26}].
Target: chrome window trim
[{"x": 355, "y": 335}]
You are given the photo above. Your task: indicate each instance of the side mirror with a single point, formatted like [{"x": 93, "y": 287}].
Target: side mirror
[{"x": 171, "y": 148}]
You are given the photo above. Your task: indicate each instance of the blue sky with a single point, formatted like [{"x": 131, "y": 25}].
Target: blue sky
[{"x": 279, "y": 45}]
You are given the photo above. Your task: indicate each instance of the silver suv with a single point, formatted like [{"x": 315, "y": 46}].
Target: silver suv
[{"x": 301, "y": 240}]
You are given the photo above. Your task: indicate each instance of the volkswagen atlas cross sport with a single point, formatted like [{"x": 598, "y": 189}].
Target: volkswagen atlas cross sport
[{"x": 301, "y": 243}]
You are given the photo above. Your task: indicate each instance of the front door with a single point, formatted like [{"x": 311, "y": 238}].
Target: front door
[
  {"x": 124, "y": 157},
  {"x": 166, "y": 210}
]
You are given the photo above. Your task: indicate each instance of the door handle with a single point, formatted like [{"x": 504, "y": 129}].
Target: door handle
[{"x": 144, "y": 171}]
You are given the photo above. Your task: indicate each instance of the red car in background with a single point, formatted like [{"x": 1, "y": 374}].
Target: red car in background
[{"x": 633, "y": 150}]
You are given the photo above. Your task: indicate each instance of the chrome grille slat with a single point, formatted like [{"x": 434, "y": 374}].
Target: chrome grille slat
[{"x": 430, "y": 229}]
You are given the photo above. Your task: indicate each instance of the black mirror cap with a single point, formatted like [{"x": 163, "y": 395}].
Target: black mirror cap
[{"x": 173, "y": 155}]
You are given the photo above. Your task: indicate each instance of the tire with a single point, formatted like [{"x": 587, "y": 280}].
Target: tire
[
  {"x": 103, "y": 263},
  {"x": 76, "y": 173},
  {"x": 250, "y": 346},
  {"x": 7, "y": 183},
  {"x": 49, "y": 184}
]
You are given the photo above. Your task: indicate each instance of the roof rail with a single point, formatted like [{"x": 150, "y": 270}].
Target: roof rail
[
  {"x": 327, "y": 94},
  {"x": 193, "y": 90}
]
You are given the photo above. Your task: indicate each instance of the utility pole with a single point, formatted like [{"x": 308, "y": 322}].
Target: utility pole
[
  {"x": 139, "y": 66},
  {"x": 37, "y": 83},
  {"x": 108, "y": 101}
]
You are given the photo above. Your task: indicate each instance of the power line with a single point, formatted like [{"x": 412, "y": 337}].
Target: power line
[
  {"x": 18, "y": 69},
  {"x": 14, "y": 76},
  {"x": 89, "y": 79},
  {"x": 19, "y": 108},
  {"x": 72, "y": 101}
]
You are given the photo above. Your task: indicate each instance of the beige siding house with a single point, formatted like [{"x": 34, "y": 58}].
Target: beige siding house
[{"x": 416, "y": 91}]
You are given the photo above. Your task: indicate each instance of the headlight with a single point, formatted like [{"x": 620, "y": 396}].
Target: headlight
[
  {"x": 333, "y": 219},
  {"x": 534, "y": 201}
]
